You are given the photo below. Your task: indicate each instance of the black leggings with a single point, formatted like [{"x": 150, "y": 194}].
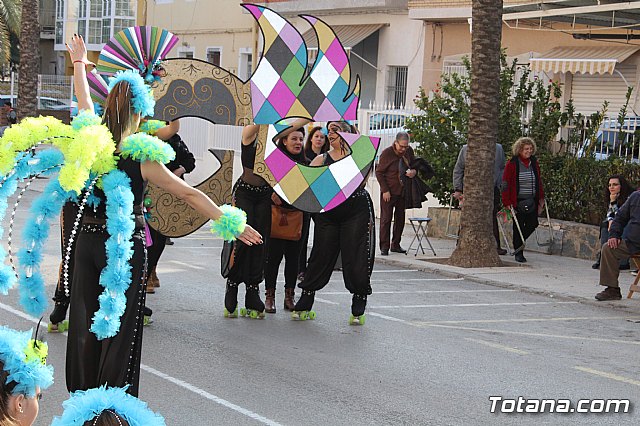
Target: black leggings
[
  {"x": 528, "y": 223},
  {"x": 157, "y": 248},
  {"x": 345, "y": 229},
  {"x": 114, "y": 361},
  {"x": 291, "y": 252},
  {"x": 248, "y": 265}
]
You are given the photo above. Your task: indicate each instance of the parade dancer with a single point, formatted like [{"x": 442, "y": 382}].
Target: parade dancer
[
  {"x": 23, "y": 375},
  {"x": 104, "y": 344},
  {"x": 346, "y": 229},
  {"x": 106, "y": 407},
  {"x": 252, "y": 194}
]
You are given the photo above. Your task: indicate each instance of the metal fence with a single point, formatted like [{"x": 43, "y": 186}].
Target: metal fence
[
  {"x": 611, "y": 138},
  {"x": 54, "y": 91}
]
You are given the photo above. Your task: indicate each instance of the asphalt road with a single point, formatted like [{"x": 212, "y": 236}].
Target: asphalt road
[{"x": 433, "y": 351}]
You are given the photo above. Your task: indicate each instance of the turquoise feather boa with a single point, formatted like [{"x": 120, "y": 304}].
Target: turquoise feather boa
[
  {"x": 84, "y": 406},
  {"x": 116, "y": 276}
]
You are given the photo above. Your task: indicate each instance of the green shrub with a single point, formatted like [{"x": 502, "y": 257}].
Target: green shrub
[{"x": 574, "y": 187}]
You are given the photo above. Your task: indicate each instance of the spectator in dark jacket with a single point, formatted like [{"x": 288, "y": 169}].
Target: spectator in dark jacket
[
  {"x": 388, "y": 175},
  {"x": 627, "y": 219},
  {"x": 498, "y": 170}
]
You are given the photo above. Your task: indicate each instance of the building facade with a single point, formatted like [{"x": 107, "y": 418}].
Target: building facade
[
  {"x": 580, "y": 44},
  {"x": 96, "y": 21}
]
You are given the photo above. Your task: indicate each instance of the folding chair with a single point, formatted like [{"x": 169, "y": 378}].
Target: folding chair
[
  {"x": 635, "y": 287},
  {"x": 420, "y": 227},
  {"x": 447, "y": 232},
  {"x": 550, "y": 242},
  {"x": 515, "y": 220}
]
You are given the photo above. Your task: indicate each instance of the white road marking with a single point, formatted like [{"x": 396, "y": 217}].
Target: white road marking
[
  {"x": 417, "y": 292},
  {"x": 386, "y": 271},
  {"x": 209, "y": 396},
  {"x": 186, "y": 265},
  {"x": 608, "y": 375},
  {"x": 497, "y": 346},
  {"x": 520, "y": 320},
  {"x": 318, "y": 299},
  {"x": 167, "y": 377},
  {"x": 198, "y": 247},
  {"x": 387, "y": 317},
  {"x": 468, "y": 305},
  {"x": 522, "y": 333}
]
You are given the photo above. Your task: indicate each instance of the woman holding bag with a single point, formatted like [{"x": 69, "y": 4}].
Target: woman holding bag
[
  {"x": 522, "y": 190},
  {"x": 286, "y": 232}
]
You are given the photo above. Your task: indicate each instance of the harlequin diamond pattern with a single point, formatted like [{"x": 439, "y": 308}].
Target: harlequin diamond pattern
[{"x": 284, "y": 61}]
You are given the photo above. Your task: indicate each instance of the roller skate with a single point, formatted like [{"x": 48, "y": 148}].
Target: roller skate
[
  {"x": 57, "y": 321},
  {"x": 231, "y": 300},
  {"x": 254, "y": 308},
  {"x": 358, "y": 305},
  {"x": 302, "y": 310},
  {"x": 147, "y": 316}
]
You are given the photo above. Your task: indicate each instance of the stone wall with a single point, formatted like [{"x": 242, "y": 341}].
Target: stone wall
[{"x": 570, "y": 239}]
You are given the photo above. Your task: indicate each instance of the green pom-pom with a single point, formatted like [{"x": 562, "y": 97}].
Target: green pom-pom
[
  {"x": 151, "y": 127},
  {"x": 85, "y": 118},
  {"x": 231, "y": 224}
]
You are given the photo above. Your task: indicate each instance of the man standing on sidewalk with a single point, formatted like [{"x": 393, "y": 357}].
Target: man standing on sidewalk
[
  {"x": 498, "y": 169},
  {"x": 388, "y": 175},
  {"x": 617, "y": 249}
]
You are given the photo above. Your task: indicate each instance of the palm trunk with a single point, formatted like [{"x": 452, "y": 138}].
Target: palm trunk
[
  {"x": 29, "y": 60},
  {"x": 477, "y": 246}
]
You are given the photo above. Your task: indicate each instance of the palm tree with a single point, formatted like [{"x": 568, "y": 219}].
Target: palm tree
[
  {"x": 9, "y": 23},
  {"x": 29, "y": 59},
  {"x": 477, "y": 246}
]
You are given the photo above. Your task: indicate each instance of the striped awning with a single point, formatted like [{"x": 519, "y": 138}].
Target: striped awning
[
  {"x": 349, "y": 35},
  {"x": 582, "y": 59}
]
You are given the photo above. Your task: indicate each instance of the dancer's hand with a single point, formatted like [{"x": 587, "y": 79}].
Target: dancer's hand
[
  {"x": 250, "y": 236},
  {"x": 78, "y": 50}
]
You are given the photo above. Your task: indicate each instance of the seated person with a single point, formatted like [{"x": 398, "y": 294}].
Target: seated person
[{"x": 617, "y": 248}]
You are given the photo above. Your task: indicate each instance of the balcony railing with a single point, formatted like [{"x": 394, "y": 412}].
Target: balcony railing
[{"x": 307, "y": 6}]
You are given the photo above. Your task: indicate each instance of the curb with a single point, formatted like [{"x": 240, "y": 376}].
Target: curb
[{"x": 433, "y": 268}]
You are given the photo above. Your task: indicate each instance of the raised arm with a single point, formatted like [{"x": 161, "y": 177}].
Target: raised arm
[
  {"x": 159, "y": 175},
  {"x": 165, "y": 133},
  {"x": 78, "y": 53}
]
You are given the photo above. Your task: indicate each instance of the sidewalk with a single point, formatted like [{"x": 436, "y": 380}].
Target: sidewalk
[{"x": 553, "y": 276}]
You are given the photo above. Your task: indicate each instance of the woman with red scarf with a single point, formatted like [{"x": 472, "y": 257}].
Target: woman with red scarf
[{"x": 522, "y": 190}]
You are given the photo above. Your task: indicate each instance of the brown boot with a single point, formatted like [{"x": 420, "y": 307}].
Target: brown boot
[
  {"x": 154, "y": 279},
  {"x": 289, "y": 296},
  {"x": 609, "y": 293},
  {"x": 149, "y": 286},
  {"x": 270, "y": 301}
]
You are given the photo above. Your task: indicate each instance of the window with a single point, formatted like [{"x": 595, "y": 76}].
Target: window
[
  {"x": 397, "y": 86},
  {"x": 59, "y": 21},
  {"x": 214, "y": 55},
  {"x": 186, "y": 54}
]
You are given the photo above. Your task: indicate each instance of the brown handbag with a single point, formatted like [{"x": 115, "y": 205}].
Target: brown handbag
[{"x": 286, "y": 224}]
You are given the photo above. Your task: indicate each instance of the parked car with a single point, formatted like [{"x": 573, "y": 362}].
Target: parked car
[
  {"x": 615, "y": 139},
  {"x": 386, "y": 125},
  {"x": 45, "y": 102}
]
